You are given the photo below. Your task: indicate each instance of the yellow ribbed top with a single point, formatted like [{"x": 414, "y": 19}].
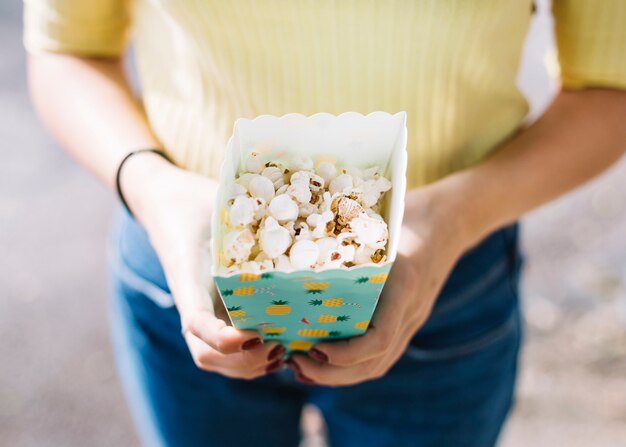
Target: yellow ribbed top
[{"x": 451, "y": 64}]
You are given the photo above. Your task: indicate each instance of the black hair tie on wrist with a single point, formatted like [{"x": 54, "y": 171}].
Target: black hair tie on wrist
[{"x": 119, "y": 172}]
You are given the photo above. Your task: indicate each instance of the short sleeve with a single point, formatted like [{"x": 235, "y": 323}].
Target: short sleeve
[
  {"x": 591, "y": 42},
  {"x": 83, "y": 27}
]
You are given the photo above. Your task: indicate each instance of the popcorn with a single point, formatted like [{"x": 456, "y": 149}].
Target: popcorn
[
  {"x": 283, "y": 208},
  {"x": 347, "y": 252},
  {"x": 262, "y": 187},
  {"x": 243, "y": 210},
  {"x": 256, "y": 266},
  {"x": 306, "y": 209},
  {"x": 304, "y": 254},
  {"x": 244, "y": 179},
  {"x": 370, "y": 173},
  {"x": 346, "y": 209},
  {"x": 327, "y": 171},
  {"x": 238, "y": 245},
  {"x": 363, "y": 254},
  {"x": 299, "y": 188},
  {"x": 304, "y": 218},
  {"x": 336, "y": 258},
  {"x": 291, "y": 227},
  {"x": 253, "y": 163},
  {"x": 320, "y": 223},
  {"x": 342, "y": 183},
  {"x": 372, "y": 189},
  {"x": 325, "y": 246},
  {"x": 283, "y": 263},
  {"x": 251, "y": 267},
  {"x": 275, "y": 175},
  {"x": 303, "y": 232},
  {"x": 301, "y": 164},
  {"x": 369, "y": 231},
  {"x": 274, "y": 239},
  {"x": 327, "y": 200},
  {"x": 316, "y": 183},
  {"x": 235, "y": 190}
]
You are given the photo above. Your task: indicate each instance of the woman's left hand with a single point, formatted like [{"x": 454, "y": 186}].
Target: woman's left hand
[{"x": 430, "y": 244}]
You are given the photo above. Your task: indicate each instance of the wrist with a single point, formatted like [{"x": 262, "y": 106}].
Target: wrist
[
  {"x": 431, "y": 220},
  {"x": 463, "y": 208},
  {"x": 139, "y": 177},
  {"x": 445, "y": 213}
]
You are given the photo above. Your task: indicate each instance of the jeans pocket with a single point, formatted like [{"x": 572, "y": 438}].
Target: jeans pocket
[
  {"x": 481, "y": 309},
  {"x": 501, "y": 332},
  {"x": 135, "y": 264}
]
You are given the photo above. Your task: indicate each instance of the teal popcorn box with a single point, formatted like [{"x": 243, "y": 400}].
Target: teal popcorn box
[{"x": 302, "y": 307}]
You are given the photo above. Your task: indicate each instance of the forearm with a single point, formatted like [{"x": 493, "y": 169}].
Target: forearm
[
  {"x": 89, "y": 107},
  {"x": 579, "y": 136}
]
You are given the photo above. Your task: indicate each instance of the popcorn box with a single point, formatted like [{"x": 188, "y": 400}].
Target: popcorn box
[{"x": 303, "y": 307}]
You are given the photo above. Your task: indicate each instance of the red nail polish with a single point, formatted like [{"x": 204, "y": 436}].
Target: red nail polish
[
  {"x": 274, "y": 366},
  {"x": 251, "y": 344},
  {"x": 318, "y": 355},
  {"x": 276, "y": 352}
]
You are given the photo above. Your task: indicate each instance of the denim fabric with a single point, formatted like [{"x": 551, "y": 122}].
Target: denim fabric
[{"x": 452, "y": 387}]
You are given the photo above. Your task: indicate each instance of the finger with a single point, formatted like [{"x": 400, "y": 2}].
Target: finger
[
  {"x": 310, "y": 371},
  {"x": 219, "y": 336},
  {"x": 239, "y": 374},
  {"x": 374, "y": 343},
  {"x": 208, "y": 358},
  {"x": 246, "y": 360},
  {"x": 236, "y": 373},
  {"x": 383, "y": 330},
  {"x": 313, "y": 371},
  {"x": 190, "y": 286}
]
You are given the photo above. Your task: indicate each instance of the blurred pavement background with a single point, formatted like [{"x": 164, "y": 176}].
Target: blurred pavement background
[{"x": 57, "y": 382}]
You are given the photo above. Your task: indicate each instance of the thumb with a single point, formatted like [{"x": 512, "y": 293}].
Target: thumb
[{"x": 190, "y": 287}]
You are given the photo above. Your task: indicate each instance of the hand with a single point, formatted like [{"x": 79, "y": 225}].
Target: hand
[
  {"x": 174, "y": 206},
  {"x": 429, "y": 247}
]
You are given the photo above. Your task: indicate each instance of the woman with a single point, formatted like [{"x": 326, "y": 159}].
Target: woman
[{"x": 438, "y": 366}]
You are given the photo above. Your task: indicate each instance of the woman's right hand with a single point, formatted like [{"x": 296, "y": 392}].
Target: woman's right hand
[{"x": 175, "y": 208}]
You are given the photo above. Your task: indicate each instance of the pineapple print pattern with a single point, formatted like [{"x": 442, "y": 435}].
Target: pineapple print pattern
[
  {"x": 249, "y": 277},
  {"x": 313, "y": 332},
  {"x": 239, "y": 291},
  {"x": 325, "y": 318},
  {"x": 299, "y": 311},
  {"x": 313, "y": 288},
  {"x": 375, "y": 279},
  {"x": 331, "y": 302},
  {"x": 278, "y": 307},
  {"x": 236, "y": 311},
  {"x": 274, "y": 330},
  {"x": 362, "y": 324},
  {"x": 300, "y": 345}
]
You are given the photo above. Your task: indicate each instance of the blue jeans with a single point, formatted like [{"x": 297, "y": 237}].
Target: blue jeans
[{"x": 452, "y": 387}]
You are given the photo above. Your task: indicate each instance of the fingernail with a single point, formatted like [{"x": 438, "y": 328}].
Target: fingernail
[
  {"x": 318, "y": 355},
  {"x": 251, "y": 344},
  {"x": 291, "y": 363},
  {"x": 276, "y": 352},
  {"x": 274, "y": 366},
  {"x": 304, "y": 379}
]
